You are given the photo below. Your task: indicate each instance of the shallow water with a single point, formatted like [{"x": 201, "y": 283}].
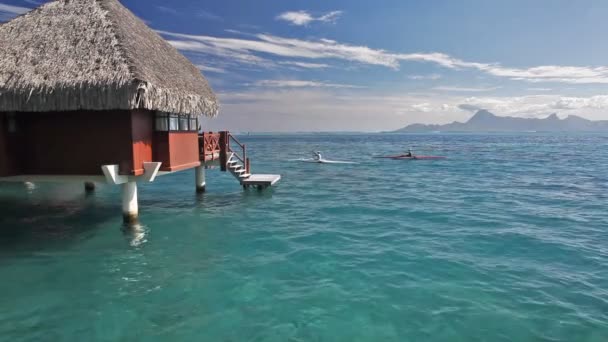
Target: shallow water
[{"x": 507, "y": 240}]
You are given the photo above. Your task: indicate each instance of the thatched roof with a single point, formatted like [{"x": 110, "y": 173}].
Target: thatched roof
[{"x": 94, "y": 55}]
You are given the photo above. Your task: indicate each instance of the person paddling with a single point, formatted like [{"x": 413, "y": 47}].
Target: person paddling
[
  {"x": 409, "y": 153},
  {"x": 316, "y": 156}
]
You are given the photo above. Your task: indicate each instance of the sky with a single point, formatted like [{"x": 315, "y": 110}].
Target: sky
[{"x": 353, "y": 65}]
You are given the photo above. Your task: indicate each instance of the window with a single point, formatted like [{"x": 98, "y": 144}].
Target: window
[
  {"x": 164, "y": 122},
  {"x": 173, "y": 122},
  {"x": 161, "y": 122},
  {"x": 183, "y": 123},
  {"x": 193, "y": 123}
]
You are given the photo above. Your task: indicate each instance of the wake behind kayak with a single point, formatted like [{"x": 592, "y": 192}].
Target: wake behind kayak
[
  {"x": 322, "y": 161},
  {"x": 406, "y": 157},
  {"x": 318, "y": 159}
]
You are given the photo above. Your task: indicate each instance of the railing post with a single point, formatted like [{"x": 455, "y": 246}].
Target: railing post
[
  {"x": 223, "y": 150},
  {"x": 244, "y": 154},
  {"x": 247, "y": 165},
  {"x": 201, "y": 146}
]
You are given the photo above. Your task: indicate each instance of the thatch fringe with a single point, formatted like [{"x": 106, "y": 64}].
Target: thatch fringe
[
  {"x": 167, "y": 100},
  {"x": 85, "y": 96}
]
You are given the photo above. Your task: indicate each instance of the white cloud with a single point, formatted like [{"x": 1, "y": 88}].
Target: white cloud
[
  {"x": 430, "y": 107},
  {"x": 296, "y": 18},
  {"x": 301, "y": 84},
  {"x": 207, "y": 68},
  {"x": 209, "y": 16},
  {"x": 167, "y": 9},
  {"x": 231, "y": 55},
  {"x": 8, "y": 12},
  {"x": 284, "y": 47},
  {"x": 424, "y": 77},
  {"x": 539, "y": 89},
  {"x": 310, "y": 108},
  {"x": 330, "y": 17},
  {"x": 441, "y": 59},
  {"x": 245, "y": 50},
  {"x": 538, "y": 105},
  {"x": 422, "y": 107},
  {"x": 593, "y": 102},
  {"x": 302, "y": 18},
  {"x": 463, "y": 89},
  {"x": 551, "y": 73},
  {"x": 306, "y": 65},
  {"x": 326, "y": 108}
]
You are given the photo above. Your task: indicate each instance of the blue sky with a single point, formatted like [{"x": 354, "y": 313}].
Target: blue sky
[{"x": 361, "y": 65}]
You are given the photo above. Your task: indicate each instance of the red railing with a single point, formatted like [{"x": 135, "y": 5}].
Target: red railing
[{"x": 209, "y": 146}]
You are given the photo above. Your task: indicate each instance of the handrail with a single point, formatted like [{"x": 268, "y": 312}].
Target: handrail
[
  {"x": 236, "y": 140},
  {"x": 224, "y": 142},
  {"x": 238, "y": 157},
  {"x": 242, "y": 158}
]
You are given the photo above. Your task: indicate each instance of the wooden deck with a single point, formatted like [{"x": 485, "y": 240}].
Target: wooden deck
[{"x": 261, "y": 180}]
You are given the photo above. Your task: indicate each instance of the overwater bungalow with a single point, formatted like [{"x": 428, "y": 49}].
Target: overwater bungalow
[{"x": 89, "y": 93}]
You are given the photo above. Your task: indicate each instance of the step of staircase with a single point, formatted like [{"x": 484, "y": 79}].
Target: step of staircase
[
  {"x": 247, "y": 179},
  {"x": 261, "y": 181}
]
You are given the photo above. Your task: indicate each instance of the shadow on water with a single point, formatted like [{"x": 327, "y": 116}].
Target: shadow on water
[
  {"x": 34, "y": 223},
  {"x": 36, "y": 217}
]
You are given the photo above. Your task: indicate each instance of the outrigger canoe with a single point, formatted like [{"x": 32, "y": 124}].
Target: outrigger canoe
[{"x": 405, "y": 157}]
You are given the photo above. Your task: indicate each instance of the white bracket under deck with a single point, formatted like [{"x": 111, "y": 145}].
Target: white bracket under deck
[
  {"x": 112, "y": 176},
  {"x": 150, "y": 171}
]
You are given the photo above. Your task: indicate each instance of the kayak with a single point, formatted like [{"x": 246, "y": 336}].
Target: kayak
[
  {"x": 322, "y": 161},
  {"x": 404, "y": 157}
]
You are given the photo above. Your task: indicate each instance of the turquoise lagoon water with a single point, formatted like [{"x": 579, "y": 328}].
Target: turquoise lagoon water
[{"x": 507, "y": 240}]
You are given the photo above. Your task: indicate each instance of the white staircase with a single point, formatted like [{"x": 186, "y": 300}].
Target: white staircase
[
  {"x": 236, "y": 168},
  {"x": 232, "y": 157}
]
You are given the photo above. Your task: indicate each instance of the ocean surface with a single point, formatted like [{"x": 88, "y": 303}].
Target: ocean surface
[{"x": 506, "y": 240}]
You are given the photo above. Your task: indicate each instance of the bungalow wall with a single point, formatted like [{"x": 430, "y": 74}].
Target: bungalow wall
[
  {"x": 4, "y": 161},
  {"x": 176, "y": 150},
  {"x": 80, "y": 142}
]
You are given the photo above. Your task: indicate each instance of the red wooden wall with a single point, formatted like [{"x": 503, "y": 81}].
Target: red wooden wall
[
  {"x": 142, "y": 124},
  {"x": 176, "y": 150},
  {"x": 80, "y": 142}
]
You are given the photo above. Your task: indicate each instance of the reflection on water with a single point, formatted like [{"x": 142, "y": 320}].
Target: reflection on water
[
  {"x": 135, "y": 233},
  {"x": 30, "y": 187}
]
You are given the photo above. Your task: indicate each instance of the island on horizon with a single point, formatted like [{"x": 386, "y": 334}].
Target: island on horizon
[{"x": 484, "y": 121}]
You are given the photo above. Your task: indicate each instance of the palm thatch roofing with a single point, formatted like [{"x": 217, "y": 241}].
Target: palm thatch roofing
[{"x": 95, "y": 55}]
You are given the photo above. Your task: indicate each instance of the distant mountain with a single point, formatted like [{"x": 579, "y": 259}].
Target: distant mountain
[{"x": 484, "y": 121}]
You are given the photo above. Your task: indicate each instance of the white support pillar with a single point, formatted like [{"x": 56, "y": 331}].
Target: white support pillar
[
  {"x": 130, "y": 211},
  {"x": 200, "y": 179}
]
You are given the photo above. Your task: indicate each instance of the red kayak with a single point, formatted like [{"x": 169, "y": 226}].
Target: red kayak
[{"x": 405, "y": 157}]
